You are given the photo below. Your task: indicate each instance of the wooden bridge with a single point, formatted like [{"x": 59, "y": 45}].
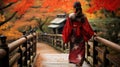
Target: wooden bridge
[{"x": 48, "y": 50}]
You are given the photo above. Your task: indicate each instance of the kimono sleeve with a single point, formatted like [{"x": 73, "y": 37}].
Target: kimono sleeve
[
  {"x": 66, "y": 31},
  {"x": 87, "y": 30}
]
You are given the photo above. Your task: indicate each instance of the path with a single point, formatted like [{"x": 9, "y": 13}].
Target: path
[{"x": 47, "y": 56}]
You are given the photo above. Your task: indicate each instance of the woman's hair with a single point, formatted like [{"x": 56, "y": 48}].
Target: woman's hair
[{"x": 77, "y": 6}]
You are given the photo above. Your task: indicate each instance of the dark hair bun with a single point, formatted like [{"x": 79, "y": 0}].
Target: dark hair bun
[{"x": 77, "y": 5}]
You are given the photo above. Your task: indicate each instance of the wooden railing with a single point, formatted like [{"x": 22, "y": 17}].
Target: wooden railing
[
  {"x": 102, "y": 53},
  {"x": 54, "y": 40},
  {"x": 97, "y": 53},
  {"x": 20, "y": 53}
]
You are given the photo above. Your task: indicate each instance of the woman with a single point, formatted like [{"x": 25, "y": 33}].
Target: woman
[{"x": 76, "y": 31}]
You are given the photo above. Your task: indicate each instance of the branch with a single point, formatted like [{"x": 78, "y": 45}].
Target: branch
[
  {"x": 35, "y": 6},
  {"x": 1, "y": 23},
  {"x": 41, "y": 26},
  {"x": 1, "y": 8}
]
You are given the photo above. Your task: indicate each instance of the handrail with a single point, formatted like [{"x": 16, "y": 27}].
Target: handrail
[
  {"x": 100, "y": 54},
  {"x": 21, "y": 51},
  {"x": 14, "y": 59},
  {"x": 52, "y": 34},
  {"x": 108, "y": 43},
  {"x": 18, "y": 42}
]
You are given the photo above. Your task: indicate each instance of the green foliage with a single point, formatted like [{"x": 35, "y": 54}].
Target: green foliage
[
  {"x": 113, "y": 30},
  {"x": 110, "y": 28}
]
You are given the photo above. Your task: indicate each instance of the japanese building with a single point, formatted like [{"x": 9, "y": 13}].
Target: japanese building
[{"x": 57, "y": 24}]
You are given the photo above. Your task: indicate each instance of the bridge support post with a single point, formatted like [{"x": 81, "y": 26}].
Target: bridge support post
[{"x": 4, "y": 61}]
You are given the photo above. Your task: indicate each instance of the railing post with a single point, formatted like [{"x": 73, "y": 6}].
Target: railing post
[
  {"x": 25, "y": 53},
  {"x": 32, "y": 48},
  {"x": 28, "y": 51},
  {"x": 35, "y": 42},
  {"x": 95, "y": 44},
  {"x": 20, "y": 62},
  {"x": 4, "y": 62}
]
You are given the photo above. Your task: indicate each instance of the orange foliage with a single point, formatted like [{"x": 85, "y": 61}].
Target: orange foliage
[
  {"x": 9, "y": 32},
  {"x": 2, "y": 18},
  {"x": 50, "y": 5},
  {"x": 12, "y": 34},
  {"x": 23, "y": 6},
  {"x": 111, "y": 5},
  {"x": 5, "y": 26},
  {"x": 19, "y": 24},
  {"x": 65, "y": 5}
]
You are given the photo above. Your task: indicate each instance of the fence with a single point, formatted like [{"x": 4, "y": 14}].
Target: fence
[
  {"x": 103, "y": 53},
  {"x": 20, "y": 53},
  {"x": 55, "y": 40}
]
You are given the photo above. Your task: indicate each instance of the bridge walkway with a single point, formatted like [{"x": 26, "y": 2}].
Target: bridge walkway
[{"x": 47, "y": 56}]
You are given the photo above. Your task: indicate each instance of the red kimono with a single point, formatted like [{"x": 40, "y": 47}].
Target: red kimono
[{"x": 77, "y": 33}]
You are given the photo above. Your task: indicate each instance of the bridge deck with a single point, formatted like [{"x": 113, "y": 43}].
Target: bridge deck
[{"x": 47, "y": 56}]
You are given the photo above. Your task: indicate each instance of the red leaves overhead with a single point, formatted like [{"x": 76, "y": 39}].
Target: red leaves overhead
[
  {"x": 52, "y": 5},
  {"x": 64, "y": 5},
  {"x": 23, "y": 6},
  {"x": 110, "y": 5}
]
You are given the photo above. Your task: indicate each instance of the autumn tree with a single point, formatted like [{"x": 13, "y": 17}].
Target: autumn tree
[
  {"x": 107, "y": 6},
  {"x": 19, "y": 7},
  {"x": 9, "y": 10},
  {"x": 111, "y": 11}
]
